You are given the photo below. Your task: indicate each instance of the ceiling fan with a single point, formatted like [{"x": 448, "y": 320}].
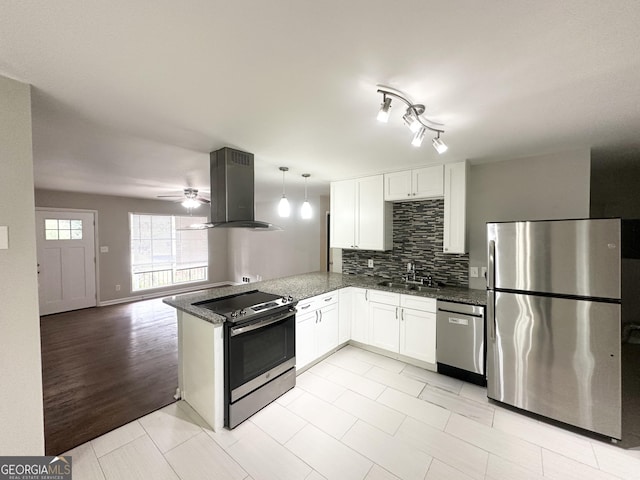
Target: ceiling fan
[{"x": 189, "y": 199}]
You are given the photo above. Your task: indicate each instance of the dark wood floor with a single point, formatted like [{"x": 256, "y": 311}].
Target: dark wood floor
[{"x": 104, "y": 367}]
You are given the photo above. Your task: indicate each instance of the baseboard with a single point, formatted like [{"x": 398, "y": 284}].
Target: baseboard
[{"x": 166, "y": 293}]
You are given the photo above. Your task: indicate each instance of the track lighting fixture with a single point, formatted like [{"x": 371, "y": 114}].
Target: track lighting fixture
[
  {"x": 305, "y": 211},
  {"x": 383, "y": 114},
  {"x": 439, "y": 145},
  {"x": 284, "y": 209},
  {"x": 412, "y": 118}
]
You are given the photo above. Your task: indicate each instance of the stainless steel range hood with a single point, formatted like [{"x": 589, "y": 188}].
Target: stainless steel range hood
[{"x": 232, "y": 191}]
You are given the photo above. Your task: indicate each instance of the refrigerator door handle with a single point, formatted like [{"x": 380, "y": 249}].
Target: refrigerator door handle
[
  {"x": 491, "y": 315},
  {"x": 492, "y": 268}
]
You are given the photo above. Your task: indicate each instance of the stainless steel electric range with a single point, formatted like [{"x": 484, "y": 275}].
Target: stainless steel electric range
[{"x": 259, "y": 350}]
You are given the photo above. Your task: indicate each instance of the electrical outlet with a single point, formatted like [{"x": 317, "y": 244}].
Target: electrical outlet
[
  {"x": 117, "y": 288},
  {"x": 370, "y": 263},
  {"x": 473, "y": 272},
  {"x": 484, "y": 272}
]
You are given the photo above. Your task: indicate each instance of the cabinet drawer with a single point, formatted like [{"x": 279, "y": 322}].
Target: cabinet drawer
[
  {"x": 418, "y": 303},
  {"x": 389, "y": 298},
  {"x": 306, "y": 305},
  {"x": 325, "y": 299}
]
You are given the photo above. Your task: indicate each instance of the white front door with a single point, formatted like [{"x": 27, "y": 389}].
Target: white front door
[{"x": 66, "y": 260}]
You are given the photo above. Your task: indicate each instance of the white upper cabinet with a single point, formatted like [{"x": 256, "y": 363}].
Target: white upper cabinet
[
  {"x": 360, "y": 218},
  {"x": 455, "y": 208},
  {"x": 414, "y": 184}
]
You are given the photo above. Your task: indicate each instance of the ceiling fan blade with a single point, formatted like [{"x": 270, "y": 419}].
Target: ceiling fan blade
[
  {"x": 203, "y": 200},
  {"x": 169, "y": 196}
]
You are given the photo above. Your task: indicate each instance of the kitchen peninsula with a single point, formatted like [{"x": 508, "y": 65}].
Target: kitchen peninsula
[{"x": 333, "y": 309}]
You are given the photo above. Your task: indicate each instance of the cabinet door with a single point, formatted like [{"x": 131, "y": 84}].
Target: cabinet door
[
  {"x": 327, "y": 329},
  {"x": 343, "y": 214},
  {"x": 384, "y": 328},
  {"x": 373, "y": 225},
  {"x": 345, "y": 310},
  {"x": 428, "y": 182},
  {"x": 305, "y": 338},
  {"x": 418, "y": 335},
  {"x": 360, "y": 316},
  {"x": 397, "y": 185},
  {"x": 455, "y": 207}
]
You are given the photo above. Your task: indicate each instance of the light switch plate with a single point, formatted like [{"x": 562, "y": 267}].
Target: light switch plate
[
  {"x": 473, "y": 271},
  {"x": 104, "y": 249},
  {"x": 370, "y": 263},
  {"x": 4, "y": 237}
]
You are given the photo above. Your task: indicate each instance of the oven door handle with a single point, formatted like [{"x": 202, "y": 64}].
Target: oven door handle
[{"x": 264, "y": 323}]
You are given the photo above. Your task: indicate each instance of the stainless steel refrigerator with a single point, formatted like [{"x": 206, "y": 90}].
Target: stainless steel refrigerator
[{"x": 554, "y": 319}]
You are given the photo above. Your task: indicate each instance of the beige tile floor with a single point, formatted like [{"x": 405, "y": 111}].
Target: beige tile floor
[{"x": 356, "y": 415}]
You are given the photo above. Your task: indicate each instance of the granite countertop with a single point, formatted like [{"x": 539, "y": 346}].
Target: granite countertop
[{"x": 309, "y": 285}]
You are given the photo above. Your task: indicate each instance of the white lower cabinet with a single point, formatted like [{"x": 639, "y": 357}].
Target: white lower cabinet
[
  {"x": 403, "y": 324},
  {"x": 317, "y": 328},
  {"x": 360, "y": 315},
  {"x": 345, "y": 309},
  {"x": 418, "y": 328},
  {"x": 384, "y": 321}
]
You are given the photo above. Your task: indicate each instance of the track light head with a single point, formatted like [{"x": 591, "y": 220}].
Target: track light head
[
  {"x": 411, "y": 121},
  {"x": 383, "y": 114},
  {"x": 419, "y": 137},
  {"x": 439, "y": 145}
]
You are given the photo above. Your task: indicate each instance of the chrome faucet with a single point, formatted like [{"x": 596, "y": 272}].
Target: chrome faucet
[{"x": 410, "y": 276}]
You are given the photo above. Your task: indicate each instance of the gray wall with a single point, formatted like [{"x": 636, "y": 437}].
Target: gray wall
[
  {"x": 113, "y": 232},
  {"x": 21, "y": 417},
  {"x": 296, "y": 249},
  {"x": 550, "y": 186},
  {"x": 615, "y": 179}
]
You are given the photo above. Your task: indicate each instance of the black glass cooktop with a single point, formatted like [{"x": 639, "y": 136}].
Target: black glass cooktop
[{"x": 239, "y": 301}]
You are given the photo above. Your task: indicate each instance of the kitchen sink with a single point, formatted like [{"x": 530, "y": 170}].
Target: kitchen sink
[
  {"x": 391, "y": 284},
  {"x": 408, "y": 286}
]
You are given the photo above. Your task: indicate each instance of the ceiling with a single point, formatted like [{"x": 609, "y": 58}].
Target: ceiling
[{"x": 129, "y": 97}]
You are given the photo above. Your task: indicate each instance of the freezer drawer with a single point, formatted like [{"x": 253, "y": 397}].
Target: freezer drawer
[
  {"x": 460, "y": 337},
  {"x": 557, "y": 357}
]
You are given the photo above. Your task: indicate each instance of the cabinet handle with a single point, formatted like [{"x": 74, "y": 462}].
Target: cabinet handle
[
  {"x": 328, "y": 299},
  {"x": 408, "y": 194},
  {"x": 320, "y": 312},
  {"x": 305, "y": 307},
  {"x": 402, "y": 314},
  {"x": 396, "y": 313},
  {"x": 316, "y": 316},
  {"x": 414, "y": 194},
  {"x": 366, "y": 295}
]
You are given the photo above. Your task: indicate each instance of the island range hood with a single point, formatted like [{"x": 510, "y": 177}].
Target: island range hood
[{"x": 232, "y": 191}]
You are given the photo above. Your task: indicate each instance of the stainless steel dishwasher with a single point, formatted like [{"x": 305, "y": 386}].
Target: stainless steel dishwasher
[{"x": 461, "y": 341}]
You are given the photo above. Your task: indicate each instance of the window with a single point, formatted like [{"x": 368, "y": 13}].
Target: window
[
  {"x": 163, "y": 255},
  {"x": 62, "y": 229}
]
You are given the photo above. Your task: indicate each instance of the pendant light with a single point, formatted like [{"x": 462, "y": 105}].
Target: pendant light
[
  {"x": 284, "y": 209},
  {"x": 305, "y": 211}
]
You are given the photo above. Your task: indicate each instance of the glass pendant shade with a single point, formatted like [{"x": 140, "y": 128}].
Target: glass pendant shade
[
  {"x": 305, "y": 211},
  {"x": 284, "y": 209}
]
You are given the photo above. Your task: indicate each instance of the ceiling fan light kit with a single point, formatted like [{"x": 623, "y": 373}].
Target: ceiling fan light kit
[{"x": 413, "y": 118}]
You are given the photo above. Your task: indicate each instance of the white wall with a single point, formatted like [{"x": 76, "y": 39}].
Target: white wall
[
  {"x": 21, "y": 411},
  {"x": 294, "y": 250},
  {"x": 551, "y": 186}
]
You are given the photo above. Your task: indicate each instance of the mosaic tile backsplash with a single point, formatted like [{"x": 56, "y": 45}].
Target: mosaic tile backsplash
[{"x": 418, "y": 230}]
